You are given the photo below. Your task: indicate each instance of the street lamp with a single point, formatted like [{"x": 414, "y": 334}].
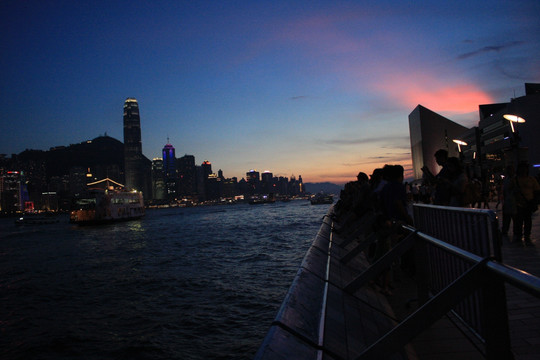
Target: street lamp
[
  {"x": 459, "y": 143},
  {"x": 513, "y": 115}
]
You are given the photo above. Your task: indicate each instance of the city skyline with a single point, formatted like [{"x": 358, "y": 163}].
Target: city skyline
[{"x": 318, "y": 89}]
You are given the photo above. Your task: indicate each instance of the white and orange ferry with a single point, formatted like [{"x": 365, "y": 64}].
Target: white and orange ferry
[{"x": 108, "y": 202}]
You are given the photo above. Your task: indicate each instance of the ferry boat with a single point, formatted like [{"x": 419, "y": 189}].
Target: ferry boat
[
  {"x": 106, "y": 205},
  {"x": 264, "y": 199},
  {"x": 321, "y": 199},
  {"x": 35, "y": 218}
]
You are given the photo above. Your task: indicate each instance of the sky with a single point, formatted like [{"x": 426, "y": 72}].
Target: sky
[{"x": 321, "y": 89}]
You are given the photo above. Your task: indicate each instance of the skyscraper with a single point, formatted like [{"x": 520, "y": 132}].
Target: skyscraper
[
  {"x": 187, "y": 175},
  {"x": 158, "y": 182},
  {"x": 136, "y": 166},
  {"x": 253, "y": 178},
  {"x": 169, "y": 171}
]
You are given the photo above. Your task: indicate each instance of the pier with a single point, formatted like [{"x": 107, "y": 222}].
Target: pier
[{"x": 472, "y": 293}]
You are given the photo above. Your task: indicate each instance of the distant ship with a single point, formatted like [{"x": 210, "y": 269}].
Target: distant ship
[
  {"x": 320, "y": 199},
  {"x": 105, "y": 205},
  {"x": 35, "y": 218},
  {"x": 264, "y": 199}
]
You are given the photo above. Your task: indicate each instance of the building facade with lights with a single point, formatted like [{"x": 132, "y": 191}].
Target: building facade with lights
[
  {"x": 491, "y": 146},
  {"x": 158, "y": 182},
  {"x": 505, "y": 143},
  {"x": 169, "y": 171},
  {"x": 137, "y": 168}
]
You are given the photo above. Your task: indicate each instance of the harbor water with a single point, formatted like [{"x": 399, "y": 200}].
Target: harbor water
[{"x": 181, "y": 283}]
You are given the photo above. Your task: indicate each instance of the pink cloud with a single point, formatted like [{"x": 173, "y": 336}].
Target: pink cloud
[{"x": 408, "y": 89}]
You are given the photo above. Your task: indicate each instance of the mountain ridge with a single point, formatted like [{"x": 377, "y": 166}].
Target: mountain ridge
[{"x": 325, "y": 187}]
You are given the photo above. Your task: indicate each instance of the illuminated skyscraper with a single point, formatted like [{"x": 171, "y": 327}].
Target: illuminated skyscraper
[
  {"x": 158, "y": 182},
  {"x": 169, "y": 171},
  {"x": 136, "y": 166},
  {"x": 253, "y": 178}
]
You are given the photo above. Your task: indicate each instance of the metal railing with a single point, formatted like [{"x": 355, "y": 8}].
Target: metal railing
[{"x": 458, "y": 269}]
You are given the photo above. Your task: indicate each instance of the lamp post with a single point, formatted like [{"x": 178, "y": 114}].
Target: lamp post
[
  {"x": 513, "y": 116},
  {"x": 459, "y": 143}
]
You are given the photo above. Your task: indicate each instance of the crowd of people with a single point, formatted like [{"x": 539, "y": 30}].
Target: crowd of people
[
  {"x": 386, "y": 197},
  {"x": 383, "y": 195}
]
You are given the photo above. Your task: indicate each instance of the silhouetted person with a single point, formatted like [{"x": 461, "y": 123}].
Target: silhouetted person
[
  {"x": 441, "y": 195},
  {"x": 393, "y": 203},
  {"x": 394, "y": 196},
  {"x": 509, "y": 208},
  {"x": 526, "y": 192},
  {"x": 458, "y": 182}
]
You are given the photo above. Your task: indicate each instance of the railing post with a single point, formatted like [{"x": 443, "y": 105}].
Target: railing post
[
  {"x": 380, "y": 265},
  {"x": 495, "y": 318},
  {"x": 422, "y": 273}
]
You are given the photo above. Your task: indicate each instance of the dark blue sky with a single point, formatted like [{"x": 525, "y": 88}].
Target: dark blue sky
[{"x": 320, "y": 89}]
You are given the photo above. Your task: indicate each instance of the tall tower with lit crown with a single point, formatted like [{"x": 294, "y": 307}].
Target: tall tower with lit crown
[
  {"x": 169, "y": 170},
  {"x": 136, "y": 165}
]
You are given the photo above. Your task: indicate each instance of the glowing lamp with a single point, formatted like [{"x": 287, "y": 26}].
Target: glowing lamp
[
  {"x": 512, "y": 115},
  {"x": 514, "y": 118},
  {"x": 459, "y": 143}
]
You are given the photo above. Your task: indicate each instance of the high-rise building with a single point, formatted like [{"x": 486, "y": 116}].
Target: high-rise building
[
  {"x": 208, "y": 180},
  {"x": 267, "y": 182},
  {"x": 169, "y": 171},
  {"x": 158, "y": 182},
  {"x": 207, "y": 167},
  {"x": 187, "y": 176},
  {"x": 254, "y": 180},
  {"x": 137, "y": 167}
]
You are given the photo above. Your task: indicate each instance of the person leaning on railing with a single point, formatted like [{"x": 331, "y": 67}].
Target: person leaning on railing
[{"x": 393, "y": 205}]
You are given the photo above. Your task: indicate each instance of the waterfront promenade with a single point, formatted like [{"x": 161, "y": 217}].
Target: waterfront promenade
[
  {"x": 327, "y": 315},
  {"x": 443, "y": 340}
]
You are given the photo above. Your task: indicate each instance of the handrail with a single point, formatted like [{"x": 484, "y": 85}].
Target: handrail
[
  {"x": 455, "y": 209},
  {"x": 519, "y": 278},
  {"x": 458, "y": 268}
]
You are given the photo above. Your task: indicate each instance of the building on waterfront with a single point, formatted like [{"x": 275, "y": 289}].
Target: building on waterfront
[
  {"x": 491, "y": 146},
  {"x": 137, "y": 168},
  {"x": 506, "y": 143},
  {"x": 169, "y": 171},
  {"x": 229, "y": 187},
  {"x": 267, "y": 183},
  {"x": 430, "y": 132},
  {"x": 187, "y": 176},
  {"x": 203, "y": 180},
  {"x": 253, "y": 180},
  {"x": 158, "y": 181},
  {"x": 13, "y": 191}
]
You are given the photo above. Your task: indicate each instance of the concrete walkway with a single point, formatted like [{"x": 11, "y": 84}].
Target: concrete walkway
[
  {"x": 445, "y": 341},
  {"x": 524, "y": 309}
]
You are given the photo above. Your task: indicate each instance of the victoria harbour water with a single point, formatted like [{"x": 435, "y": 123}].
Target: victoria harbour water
[{"x": 181, "y": 283}]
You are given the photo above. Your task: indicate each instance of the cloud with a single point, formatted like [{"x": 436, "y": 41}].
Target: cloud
[
  {"x": 299, "y": 97},
  {"x": 432, "y": 91},
  {"x": 371, "y": 140},
  {"x": 393, "y": 157},
  {"x": 487, "y": 49}
]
